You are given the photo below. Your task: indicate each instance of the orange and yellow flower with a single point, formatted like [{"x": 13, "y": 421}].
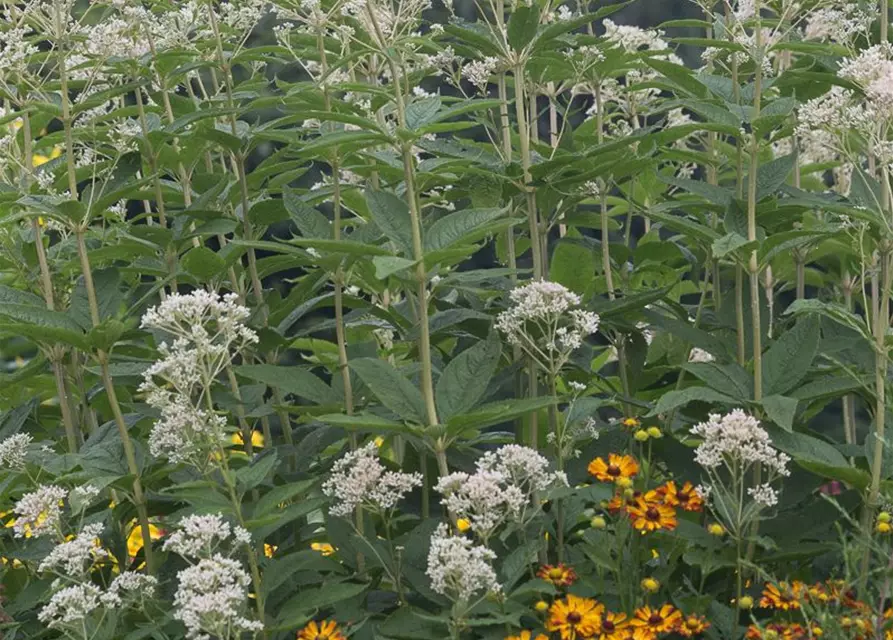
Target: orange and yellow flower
[
  {"x": 527, "y": 635},
  {"x": 684, "y": 497},
  {"x": 650, "y": 515},
  {"x": 575, "y": 617},
  {"x": 631, "y": 423},
  {"x": 783, "y": 596},
  {"x": 559, "y": 574},
  {"x": 647, "y": 623},
  {"x": 614, "y": 626},
  {"x": 135, "y": 539},
  {"x": 692, "y": 625},
  {"x": 322, "y": 630},
  {"x": 323, "y": 547},
  {"x": 617, "y": 467}
]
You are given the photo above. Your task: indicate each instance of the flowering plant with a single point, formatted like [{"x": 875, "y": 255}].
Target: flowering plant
[{"x": 400, "y": 319}]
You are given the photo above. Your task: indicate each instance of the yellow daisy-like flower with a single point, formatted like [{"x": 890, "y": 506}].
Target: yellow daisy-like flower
[
  {"x": 692, "y": 625},
  {"x": 323, "y": 547},
  {"x": 575, "y": 617},
  {"x": 257, "y": 439},
  {"x": 269, "y": 549},
  {"x": 684, "y": 497},
  {"x": 527, "y": 635},
  {"x": 631, "y": 423},
  {"x": 615, "y": 468},
  {"x": 135, "y": 539},
  {"x": 782, "y": 596},
  {"x": 322, "y": 630},
  {"x": 560, "y": 574},
  {"x": 649, "y": 516},
  {"x": 614, "y": 626},
  {"x": 648, "y": 623}
]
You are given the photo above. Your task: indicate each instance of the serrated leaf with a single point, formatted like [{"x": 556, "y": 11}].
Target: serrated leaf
[
  {"x": 310, "y": 222},
  {"x": 789, "y": 358},
  {"x": 460, "y": 227},
  {"x": 386, "y": 266},
  {"x": 391, "y": 388},
  {"x": 296, "y": 380},
  {"x": 680, "y": 398},
  {"x": 203, "y": 263},
  {"x": 522, "y": 25},
  {"x": 573, "y": 265},
  {"x": 464, "y": 380},
  {"x": 781, "y": 410},
  {"x": 391, "y": 215}
]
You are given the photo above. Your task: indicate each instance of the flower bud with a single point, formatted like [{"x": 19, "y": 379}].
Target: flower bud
[
  {"x": 716, "y": 529},
  {"x": 598, "y": 522},
  {"x": 628, "y": 493},
  {"x": 623, "y": 482},
  {"x": 746, "y": 602},
  {"x": 655, "y": 432},
  {"x": 651, "y": 585},
  {"x": 884, "y": 527},
  {"x": 641, "y": 435},
  {"x": 884, "y": 516},
  {"x": 541, "y": 606}
]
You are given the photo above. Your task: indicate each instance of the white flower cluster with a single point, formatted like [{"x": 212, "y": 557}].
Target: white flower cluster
[
  {"x": 737, "y": 436},
  {"x": 200, "y": 536},
  {"x": 631, "y": 38},
  {"x": 359, "y": 478},
  {"x": 211, "y": 597},
  {"x": 38, "y": 513},
  {"x": 70, "y": 606},
  {"x": 76, "y": 556},
  {"x": 544, "y": 322},
  {"x": 478, "y": 72},
  {"x": 765, "y": 494},
  {"x": 130, "y": 586},
  {"x": 458, "y": 569},
  {"x": 14, "y": 450},
  {"x": 506, "y": 482},
  {"x": 699, "y": 355},
  {"x": 207, "y": 330},
  {"x": 522, "y": 466},
  {"x": 872, "y": 70},
  {"x": 842, "y": 23}
]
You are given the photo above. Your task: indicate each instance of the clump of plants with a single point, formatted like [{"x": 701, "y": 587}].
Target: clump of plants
[{"x": 392, "y": 319}]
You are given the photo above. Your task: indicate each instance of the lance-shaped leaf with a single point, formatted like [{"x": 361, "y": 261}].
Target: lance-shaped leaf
[
  {"x": 391, "y": 388},
  {"x": 464, "y": 380},
  {"x": 391, "y": 215}
]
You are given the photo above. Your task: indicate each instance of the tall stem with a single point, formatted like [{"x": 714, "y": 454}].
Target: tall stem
[
  {"x": 139, "y": 498},
  {"x": 524, "y": 142}
]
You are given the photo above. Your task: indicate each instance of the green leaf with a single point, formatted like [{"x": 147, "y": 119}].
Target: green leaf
[
  {"x": 391, "y": 215},
  {"x": 296, "y": 380},
  {"x": 523, "y": 25},
  {"x": 203, "y": 263},
  {"x": 710, "y": 192},
  {"x": 363, "y": 422},
  {"x": 790, "y": 357},
  {"x": 573, "y": 265},
  {"x": 41, "y": 325},
  {"x": 728, "y": 379},
  {"x": 803, "y": 447},
  {"x": 772, "y": 175},
  {"x": 391, "y": 388},
  {"x": 422, "y": 111},
  {"x": 464, "y": 380},
  {"x": 251, "y": 476},
  {"x": 679, "y": 76},
  {"x": 729, "y": 243},
  {"x": 781, "y": 410},
  {"x": 497, "y": 413},
  {"x": 298, "y": 607},
  {"x": 310, "y": 222},
  {"x": 681, "y": 397},
  {"x": 386, "y": 266},
  {"x": 460, "y": 228},
  {"x": 270, "y": 501}
]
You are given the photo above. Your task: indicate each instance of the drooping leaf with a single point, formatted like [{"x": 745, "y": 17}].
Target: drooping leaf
[
  {"x": 391, "y": 388},
  {"x": 464, "y": 380},
  {"x": 790, "y": 357}
]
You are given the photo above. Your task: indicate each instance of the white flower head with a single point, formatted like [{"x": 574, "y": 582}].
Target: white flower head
[
  {"x": 459, "y": 569},
  {"x": 14, "y": 451},
  {"x": 359, "y": 478},
  {"x": 76, "y": 556},
  {"x": 201, "y": 536},
  {"x": 739, "y": 436},
  {"x": 39, "y": 512},
  {"x": 70, "y": 606}
]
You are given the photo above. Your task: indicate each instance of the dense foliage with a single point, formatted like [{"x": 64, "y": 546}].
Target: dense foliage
[{"x": 383, "y": 320}]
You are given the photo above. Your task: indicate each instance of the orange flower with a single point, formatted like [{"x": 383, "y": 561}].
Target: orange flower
[
  {"x": 620, "y": 502},
  {"x": 324, "y": 630},
  {"x": 560, "y": 574},
  {"x": 784, "y": 596},
  {"x": 692, "y": 625},
  {"x": 648, "y": 623},
  {"x": 685, "y": 498},
  {"x": 649, "y": 515},
  {"x": 575, "y": 617},
  {"x": 615, "y": 468},
  {"x": 614, "y": 626},
  {"x": 527, "y": 635}
]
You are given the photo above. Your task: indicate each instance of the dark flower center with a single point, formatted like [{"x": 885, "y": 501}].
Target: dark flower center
[
  {"x": 655, "y": 619},
  {"x": 683, "y": 497},
  {"x": 652, "y": 514},
  {"x": 613, "y": 470},
  {"x": 574, "y": 618},
  {"x": 608, "y": 626}
]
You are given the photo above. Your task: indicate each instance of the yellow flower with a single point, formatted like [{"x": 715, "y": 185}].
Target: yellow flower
[
  {"x": 575, "y": 617},
  {"x": 257, "y": 439},
  {"x": 269, "y": 549},
  {"x": 38, "y": 160},
  {"x": 617, "y": 466},
  {"x": 884, "y": 527},
  {"x": 651, "y": 585},
  {"x": 559, "y": 575},
  {"x": 716, "y": 529},
  {"x": 463, "y": 525},
  {"x": 324, "y": 630},
  {"x": 631, "y": 423},
  {"x": 651, "y": 516},
  {"x": 649, "y": 622},
  {"x": 655, "y": 432},
  {"x": 378, "y": 441},
  {"x": 135, "y": 539},
  {"x": 541, "y": 606},
  {"x": 323, "y": 547},
  {"x": 641, "y": 435},
  {"x": 527, "y": 635},
  {"x": 598, "y": 522},
  {"x": 746, "y": 602}
]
